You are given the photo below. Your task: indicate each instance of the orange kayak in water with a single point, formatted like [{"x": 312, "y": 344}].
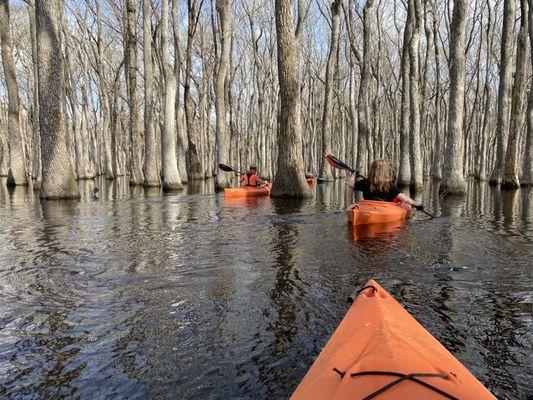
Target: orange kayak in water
[
  {"x": 377, "y": 212},
  {"x": 310, "y": 181},
  {"x": 379, "y": 351},
  {"x": 247, "y": 191}
]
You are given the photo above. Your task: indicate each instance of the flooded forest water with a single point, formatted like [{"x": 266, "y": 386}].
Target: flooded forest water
[{"x": 137, "y": 294}]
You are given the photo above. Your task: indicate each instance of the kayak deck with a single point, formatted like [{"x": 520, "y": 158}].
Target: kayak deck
[
  {"x": 377, "y": 212},
  {"x": 379, "y": 351},
  {"x": 247, "y": 191}
]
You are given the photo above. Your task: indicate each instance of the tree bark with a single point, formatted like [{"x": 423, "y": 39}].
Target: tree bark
[
  {"x": 59, "y": 180},
  {"x": 502, "y": 126},
  {"x": 453, "y": 181},
  {"x": 36, "y": 135},
  {"x": 439, "y": 133},
  {"x": 404, "y": 169},
  {"x": 171, "y": 176},
  {"x": 136, "y": 137},
  {"x": 223, "y": 179},
  {"x": 364, "y": 152},
  {"x": 17, "y": 171},
  {"x": 151, "y": 174},
  {"x": 512, "y": 157},
  {"x": 527, "y": 176},
  {"x": 290, "y": 175},
  {"x": 325, "y": 170},
  {"x": 194, "y": 161},
  {"x": 417, "y": 180}
]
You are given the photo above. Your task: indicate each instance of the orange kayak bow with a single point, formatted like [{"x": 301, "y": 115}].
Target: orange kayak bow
[
  {"x": 377, "y": 212},
  {"x": 379, "y": 351}
]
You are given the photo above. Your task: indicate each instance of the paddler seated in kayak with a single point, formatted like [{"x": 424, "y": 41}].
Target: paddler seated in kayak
[
  {"x": 250, "y": 178},
  {"x": 380, "y": 186}
]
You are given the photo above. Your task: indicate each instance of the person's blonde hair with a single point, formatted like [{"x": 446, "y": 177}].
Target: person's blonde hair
[{"x": 380, "y": 176}]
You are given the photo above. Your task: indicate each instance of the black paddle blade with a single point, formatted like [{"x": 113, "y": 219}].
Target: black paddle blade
[
  {"x": 336, "y": 163},
  {"x": 225, "y": 167}
]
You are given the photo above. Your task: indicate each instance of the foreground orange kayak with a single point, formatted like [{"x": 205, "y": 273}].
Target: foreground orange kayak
[
  {"x": 247, "y": 191},
  {"x": 377, "y": 212},
  {"x": 379, "y": 351}
]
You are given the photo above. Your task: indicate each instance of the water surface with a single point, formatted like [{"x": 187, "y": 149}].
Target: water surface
[{"x": 136, "y": 294}]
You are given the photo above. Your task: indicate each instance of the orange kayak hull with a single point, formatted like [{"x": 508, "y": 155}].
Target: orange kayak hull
[
  {"x": 378, "y": 335},
  {"x": 247, "y": 191},
  {"x": 367, "y": 212},
  {"x": 311, "y": 181}
]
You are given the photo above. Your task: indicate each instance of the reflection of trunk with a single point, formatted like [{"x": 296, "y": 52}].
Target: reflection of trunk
[
  {"x": 512, "y": 156},
  {"x": 59, "y": 180},
  {"x": 222, "y": 134},
  {"x": 325, "y": 169},
  {"x": 290, "y": 175},
  {"x": 195, "y": 167},
  {"x": 151, "y": 175},
  {"x": 136, "y": 139},
  {"x": 17, "y": 171},
  {"x": 417, "y": 182},
  {"x": 502, "y": 127},
  {"x": 364, "y": 151},
  {"x": 171, "y": 177},
  {"x": 453, "y": 180}
]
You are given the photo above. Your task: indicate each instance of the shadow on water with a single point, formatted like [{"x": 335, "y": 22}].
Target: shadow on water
[{"x": 137, "y": 293}]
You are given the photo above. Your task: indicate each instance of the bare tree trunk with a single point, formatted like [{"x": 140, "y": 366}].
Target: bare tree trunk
[
  {"x": 527, "y": 176},
  {"x": 512, "y": 158},
  {"x": 439, "y": 133},
  {"x": 151, "y": 174},
  {"x": 453, "y": 179},
  {"x": 327, "y": 116},
  {"x": 195, "y": 167},
  {"x": 136, "y": 138},
  {"x": 171, "y": 176},
  {"x": 59, "y": 180},
  {"x": 404, "y": 169},
  {"x": 364, "y": 152},
  {"x": 223, "y": 179},
  {"x": 417, "y": 180},
  {"x": 290, "y": 175},
  {"x": 36, "y": 135},
  {"x": 17, "y": 171},
  {"x": 181, "y": 142},
  {"x": 502, "y": 127}
]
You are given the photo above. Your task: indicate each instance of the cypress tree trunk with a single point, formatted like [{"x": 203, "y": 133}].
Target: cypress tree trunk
[
  {"x": 136, "y": 138},
  {"x": 151, "y": 174},
  {"x": 17, "y": 171},
  {"x": 527, "y": 176},
  {"x": 512, "y": 157},
  {"x": 223, "y": 179},
  {"x": 290, "y": 175},
  {"x": 404, "y": 169},
  {"x": 325, "y": 170},
  {"x": 59, "y": 179},
  {"x": 417, "y": 180},
  {"x": 502, "y": 126},
  {"x": 171, "y": 177},
  {"x": 453, "y": 181}
]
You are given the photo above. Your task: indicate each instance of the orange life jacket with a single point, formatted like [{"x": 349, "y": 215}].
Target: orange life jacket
[{"x": 251, "y": 179}]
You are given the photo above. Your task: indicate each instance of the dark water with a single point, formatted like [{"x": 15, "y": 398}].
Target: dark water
[{"x": 139, "y": 295}]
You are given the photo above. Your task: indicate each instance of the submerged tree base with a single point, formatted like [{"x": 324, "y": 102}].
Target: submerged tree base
[
  {"x": 510, "y": 182},
  {"x": 456, "y": 186}
]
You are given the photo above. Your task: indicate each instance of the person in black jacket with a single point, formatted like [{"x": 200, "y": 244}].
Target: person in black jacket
[{"x": 380, "y": 186}]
